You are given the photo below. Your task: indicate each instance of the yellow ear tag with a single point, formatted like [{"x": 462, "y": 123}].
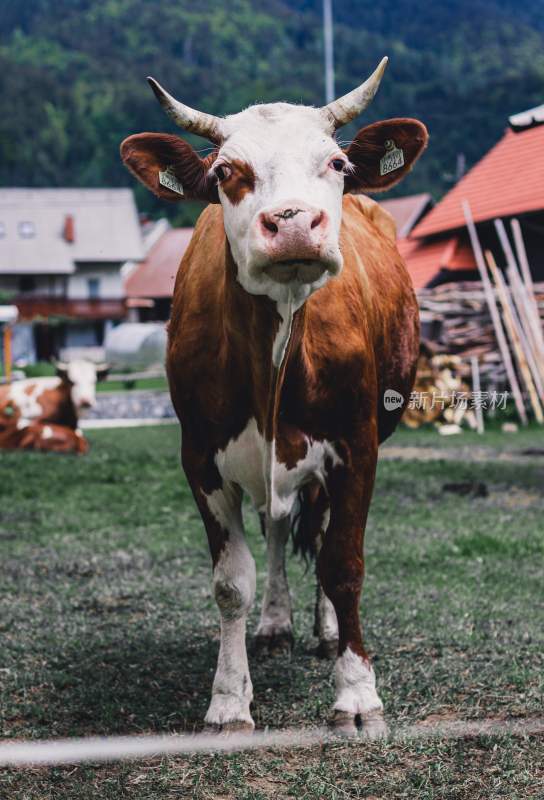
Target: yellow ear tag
[
  {"x": 393, "y": 158},
  {"x": 169, "y": 180}
]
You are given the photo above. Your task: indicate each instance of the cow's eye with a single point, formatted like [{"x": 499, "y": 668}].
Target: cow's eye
[
  {"x": 222, "y": 172},
  {"x": 337, "y": 164}
]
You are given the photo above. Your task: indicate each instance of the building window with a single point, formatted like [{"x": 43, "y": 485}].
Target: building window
[
  {"x": 93, "y": 285},
  {"x": 2, "y": 230},
  {"x": 26, "y": 230},
  {"x": 27, "y": 284}
]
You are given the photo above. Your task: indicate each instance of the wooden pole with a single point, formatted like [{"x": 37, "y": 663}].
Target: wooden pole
[
  {"x": 7, "y": 352},
  {"x": 527, "y": 277},
  {"x": 521, "y": 299},
  {"x": 514, "y": 335},
  {"x": 495, "y": 316},
  {"x": 476, "y": 388},
  {"x": 535, "y": 363}
]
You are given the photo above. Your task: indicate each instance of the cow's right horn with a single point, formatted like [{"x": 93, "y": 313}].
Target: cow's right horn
[
  {"x": 346, "y": 108},
  {"x": 186, "y": 117}
]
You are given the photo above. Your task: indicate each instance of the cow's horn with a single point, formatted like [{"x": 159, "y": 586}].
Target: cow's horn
[
  {"x": 346, "y": 108},
  {"x": 186, "y": 117}
]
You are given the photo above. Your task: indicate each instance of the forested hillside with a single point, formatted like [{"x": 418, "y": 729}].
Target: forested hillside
[{"x": 73, "y": 73}]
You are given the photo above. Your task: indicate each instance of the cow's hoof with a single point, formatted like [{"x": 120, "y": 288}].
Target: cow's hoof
[
  {"x": 327, "y": 648},
  {"x": 374, "y": 726},
  {"x": 343, "y": 724},
  {"x": 274, "y": 644},
  {"x": 234, "y": 726}
]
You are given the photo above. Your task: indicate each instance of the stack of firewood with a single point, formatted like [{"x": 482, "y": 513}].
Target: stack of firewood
[{"x": 456, "y": 318}]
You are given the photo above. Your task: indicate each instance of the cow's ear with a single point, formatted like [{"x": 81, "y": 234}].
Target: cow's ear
[
  {"x": 102, "y": 371},
  {"x": 169, "y": 167},
  {"x": 383, "y": 153},
  {"x": 61, "y": 370}
]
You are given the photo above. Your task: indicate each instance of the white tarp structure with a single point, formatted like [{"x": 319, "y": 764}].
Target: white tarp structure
[
  {"x": 8, "y": 314},
  {"x": 136, "y": 346}
]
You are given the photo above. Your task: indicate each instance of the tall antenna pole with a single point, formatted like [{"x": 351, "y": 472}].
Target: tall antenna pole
[{"x": 329, "y": 51}]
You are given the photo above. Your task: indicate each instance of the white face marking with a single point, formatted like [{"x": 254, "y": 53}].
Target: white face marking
[
  {"x": 47, "y": 432},
  {"x": 234, "y": 589},
  {"x": 290, "y": 150},
  {"x": 250, "y": 462},
  {"x": 83, "y": 376},
  {"x": 355, "y": 685},
  {"x": 25, "y": 395}
]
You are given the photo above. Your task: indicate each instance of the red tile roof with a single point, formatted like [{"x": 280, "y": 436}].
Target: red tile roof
[
  {"x": 508, "y": 180},
  {"x": 425, "y": 259},
  {"x": 155, "y": 276}
]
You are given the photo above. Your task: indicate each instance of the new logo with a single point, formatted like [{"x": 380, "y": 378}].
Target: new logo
[{"x": 392, "y": 400}]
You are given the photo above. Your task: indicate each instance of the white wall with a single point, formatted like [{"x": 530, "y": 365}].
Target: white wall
[{"x": 110, "y": 282}]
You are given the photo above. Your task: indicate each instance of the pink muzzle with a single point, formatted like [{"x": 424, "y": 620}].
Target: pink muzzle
[{"x": 292, "y": 238}]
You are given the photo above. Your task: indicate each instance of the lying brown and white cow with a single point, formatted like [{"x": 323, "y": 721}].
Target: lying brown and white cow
[
  {"x": 57, "y": 400},
  {"x": 44, "y": 438},
  {"x": 293, "y": 313}
]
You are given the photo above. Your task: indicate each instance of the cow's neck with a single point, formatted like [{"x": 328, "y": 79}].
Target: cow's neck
[{"x": 268, "y": 334}]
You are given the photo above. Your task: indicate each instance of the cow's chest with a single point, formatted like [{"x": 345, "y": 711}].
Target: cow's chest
[{"x": 272, "y": 473}]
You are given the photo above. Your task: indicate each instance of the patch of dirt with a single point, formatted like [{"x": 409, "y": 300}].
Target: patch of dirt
[
  {"x": 467, "y": 488},
  {"x": 517, "y": 498},
  {"x": 413, "y": 453}
]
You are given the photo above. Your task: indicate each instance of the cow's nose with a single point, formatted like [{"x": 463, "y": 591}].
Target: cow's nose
[{"x": 292, "y": 219}]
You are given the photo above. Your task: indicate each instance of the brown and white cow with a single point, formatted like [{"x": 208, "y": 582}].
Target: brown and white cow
[
  {"x": 43, "y": 438},
  {"x": 59, "y": 399},
  {"x": 292, "y": 315}
]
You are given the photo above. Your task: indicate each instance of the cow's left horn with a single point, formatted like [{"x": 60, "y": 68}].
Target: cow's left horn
[
  {"x": 186, "y": 117},
  {"x": 346, "y": 108}
]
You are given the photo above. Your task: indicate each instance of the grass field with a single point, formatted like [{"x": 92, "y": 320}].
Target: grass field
[{"x": 107, "y": 624}]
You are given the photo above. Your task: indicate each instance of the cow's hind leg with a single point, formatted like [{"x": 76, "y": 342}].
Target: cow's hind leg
[
  {"x": 234, "y": 591},
  {"x": 275, "y": 631},
  {"x": 341, "y": 568},
  {"x": 325, "y": 622}
]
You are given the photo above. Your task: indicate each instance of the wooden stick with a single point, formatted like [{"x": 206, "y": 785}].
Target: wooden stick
[
  {"x": 476, "y": 388},
  {"x": 497, "y": 324},
  {"x": 514, "y": 335},
  {"x": 7, "y": 352},
  {"x": 535, "y": 364},
  {"x": 521, "y": 299},
  {"x": 527, "y": 277}
]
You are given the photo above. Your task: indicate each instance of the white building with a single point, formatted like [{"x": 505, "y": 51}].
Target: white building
[{"x": 61, "y": 253}]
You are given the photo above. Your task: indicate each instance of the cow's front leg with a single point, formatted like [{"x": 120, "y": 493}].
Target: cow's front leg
[
  {"x": 341, "y": 569},
  {"x": 234, "y": 591},
  {"x": 275, "y": 630}
]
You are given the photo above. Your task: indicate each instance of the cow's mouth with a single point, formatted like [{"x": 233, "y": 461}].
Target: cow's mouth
[{"x": 300, "y": 270}]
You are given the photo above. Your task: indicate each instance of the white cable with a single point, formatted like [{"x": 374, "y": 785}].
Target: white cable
[{"x": 115, "y": 748}]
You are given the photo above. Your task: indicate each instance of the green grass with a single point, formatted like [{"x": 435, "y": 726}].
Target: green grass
[
  {"x": 44, "y": 369},
  {"x": 143, "y": 383},
  {"x": 107, "y": 625}
]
